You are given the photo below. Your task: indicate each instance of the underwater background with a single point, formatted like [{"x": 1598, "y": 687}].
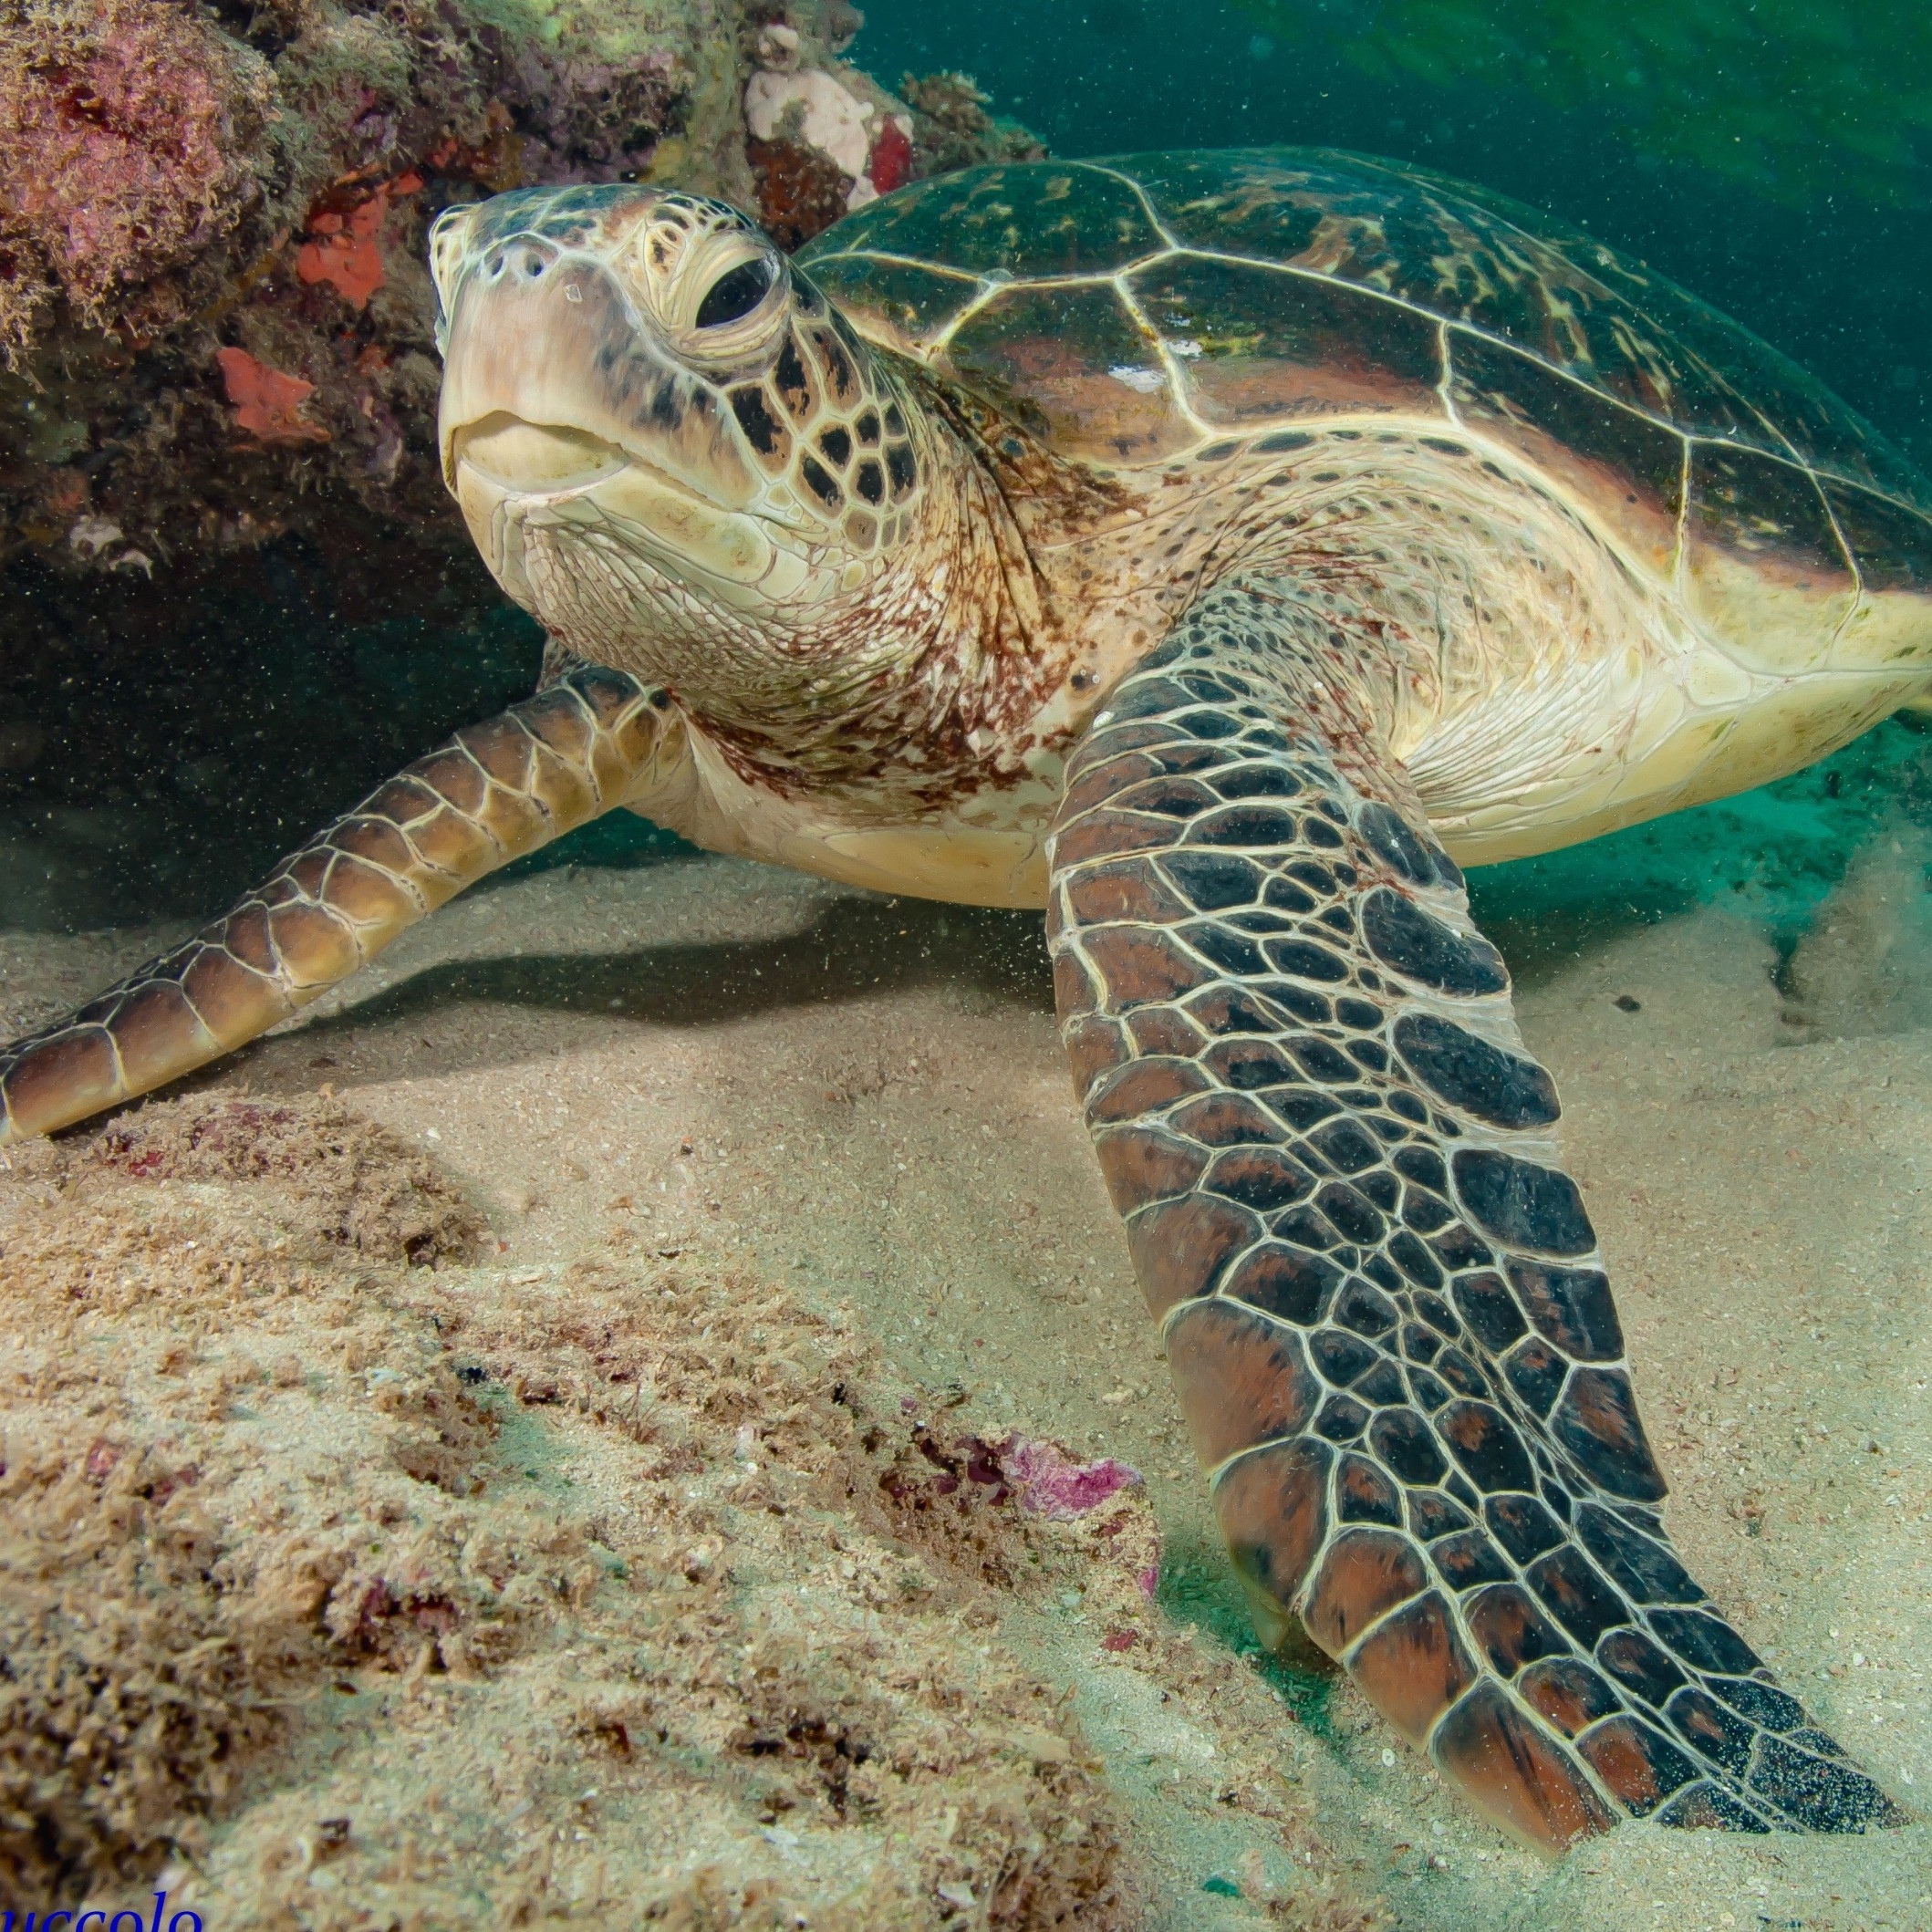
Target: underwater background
[{"x": 621, "y": 1043}]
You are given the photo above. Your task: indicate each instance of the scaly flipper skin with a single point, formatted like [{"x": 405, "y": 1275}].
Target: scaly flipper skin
[
  {"x": 1382, "y": 1299},
  {"x": 495, "y": 790}
]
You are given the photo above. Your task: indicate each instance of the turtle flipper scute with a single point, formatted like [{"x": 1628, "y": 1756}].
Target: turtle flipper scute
[
  {"x": 579, "y": 748},
  {"x": 1382, "y": 1298}
]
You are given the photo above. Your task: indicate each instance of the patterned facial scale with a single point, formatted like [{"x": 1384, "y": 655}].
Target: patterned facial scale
[{"x": 1382, "y": 1298}]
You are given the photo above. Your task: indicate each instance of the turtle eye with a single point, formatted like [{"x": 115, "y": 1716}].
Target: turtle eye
[{"x": 737, "y": 292}]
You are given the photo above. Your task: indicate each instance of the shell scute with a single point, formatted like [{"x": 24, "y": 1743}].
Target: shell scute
[
  {"x": 1073, "y": 364},
  {"x": 1037, "y": 218},
  {"x": 1255, "y": 342}
]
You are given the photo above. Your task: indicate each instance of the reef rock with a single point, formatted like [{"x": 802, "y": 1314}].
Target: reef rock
[{"x": 214, "y": 319}]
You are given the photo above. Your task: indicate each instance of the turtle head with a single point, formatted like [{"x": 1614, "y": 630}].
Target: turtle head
[{"x": 666, "y": 444}]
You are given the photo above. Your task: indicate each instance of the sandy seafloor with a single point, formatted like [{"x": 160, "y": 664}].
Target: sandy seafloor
[{"x": 865, "y": 1101}]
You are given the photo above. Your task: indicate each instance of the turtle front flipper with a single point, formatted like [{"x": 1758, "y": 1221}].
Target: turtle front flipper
[
  {"x": 1382, "y": 1298},
  {"x": 591, "y": 742}
]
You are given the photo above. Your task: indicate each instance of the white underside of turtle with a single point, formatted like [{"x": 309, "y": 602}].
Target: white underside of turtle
[{"x": 1211, "y": 549}]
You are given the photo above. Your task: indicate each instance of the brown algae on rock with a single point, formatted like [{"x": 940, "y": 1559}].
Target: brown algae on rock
[{"x": 621, "y": 1588}]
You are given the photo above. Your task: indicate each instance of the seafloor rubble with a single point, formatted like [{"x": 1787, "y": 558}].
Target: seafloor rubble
[
  {"x": 214, "y": 317},
  {"x": 355, "y": 1575}
]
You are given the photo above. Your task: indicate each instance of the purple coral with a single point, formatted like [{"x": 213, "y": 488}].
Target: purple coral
[{"x": 1049, "y": 1483}]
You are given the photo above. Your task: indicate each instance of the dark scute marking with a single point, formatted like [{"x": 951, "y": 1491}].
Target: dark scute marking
[
  {"x": 1709, "y": 1807},
  {"x": 1417, "y": 1344},
  {"x": 1641, "y": 1768},
  {"x": 1598, "y": 1422},
  {"x": 1363, "y": 1494},
  {"x": 1520, "y": 1203},
  {"x": 1273, "y": 1508},
  {"x": 1392, "y": 841},
  {"x": 1721, "y": 1735},
  {"x": 1763, "y": 1704},
  {"x": 1341, "y": 1418},
  {"x": 1469, "y": 1560},
  {"x": 1383, "y": 1386},
  {"x": 1510, "y": 1630},
  {"x": 1286, "y": 1282},
  {"x": 1346, "y": 1146},
  {"x": 1571, "y": 1307},
  {"x": 1384, "y": 1190},
  {"x": 1146, "y": 697},
  {"x": 1536, "y": 1372},
  {"x": 1301, "y": 1107},
  {"x": 1581, "y": 1601},
  {"x": 1501, "y": 1087},
  {"x": 1421, "y": 1165},
  {"x": 1523, "y": 1526},
  {"x": 1645, "y": 1570},
  {"x": 1261, "y": 1177},
  {"x": 792, "y": 383},
  {"x": 1429, "y": 1393},
  {"x": 900, "y": 469},
  {"x": 835, "y": 445},
  {"x": 1282, "y": 440},
  {"x": 761, "y": 427},
  {"x": 1228, "y": 950},
  {"x": 1420, "y": 946},
  {"x": 838, "y": 366},
  {"x": 1821, "y": 1795},
  {"x": 1460, "y": 1372},
  {"x": 1350, "y": 1212},
  {"x": 1489, "y": 1310},
  {"x": 1214, "y": 880},
  {"x": 1322, "y": 1062},
  {"x": 1305, "y": 1226},
  {"x": 1257, "y": 781},
  {"x": 1705, "y": 1642},
  {"x": 1640, "y": 1666},
  {"x": 1232, "y": 1010},
  {"x": 1225, "y": 1120},
  {"x": 1245, "y": 825},
  {"x": 1376, "y": 1268},
  {"x": 1170, "y": 795},
  {"x": 820, "y": 483},
  {"x": 1300, "y": 1001},
  {"x": 1341, "y": 1358},
  {"x": 869, "y": 481},
  {"x": 1489, "y": 1449},
  {"x": 1361, "y": 1308},
  {"x": 1459, "y": 1247},
  {"x": 1569, "y": 1694},
  {"x": 1430, "y": 1515},
  {"x": 1247, "y": 1064},
  {"x": 1181, "y": 1247},
  {"x": 1286, "y": 896},
  {"x": 1414, "y": 1260}
]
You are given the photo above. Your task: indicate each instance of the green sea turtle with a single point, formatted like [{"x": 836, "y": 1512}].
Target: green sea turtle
[{"x": 1205, "y": 546}]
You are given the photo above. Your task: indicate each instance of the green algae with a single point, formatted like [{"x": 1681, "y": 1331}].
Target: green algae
[{"x": 1795, "y": 98}]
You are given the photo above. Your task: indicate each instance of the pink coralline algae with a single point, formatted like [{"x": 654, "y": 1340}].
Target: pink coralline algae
[
  {"x": 1048, "y": 1482},
  {"x": 117, "y": 144}
]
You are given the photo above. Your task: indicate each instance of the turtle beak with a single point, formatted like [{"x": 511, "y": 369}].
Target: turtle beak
[{"x": 559, "y": 406}]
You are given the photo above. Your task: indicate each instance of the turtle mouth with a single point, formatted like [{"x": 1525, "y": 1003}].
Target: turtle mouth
[{"x": 512, "y": 476}]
